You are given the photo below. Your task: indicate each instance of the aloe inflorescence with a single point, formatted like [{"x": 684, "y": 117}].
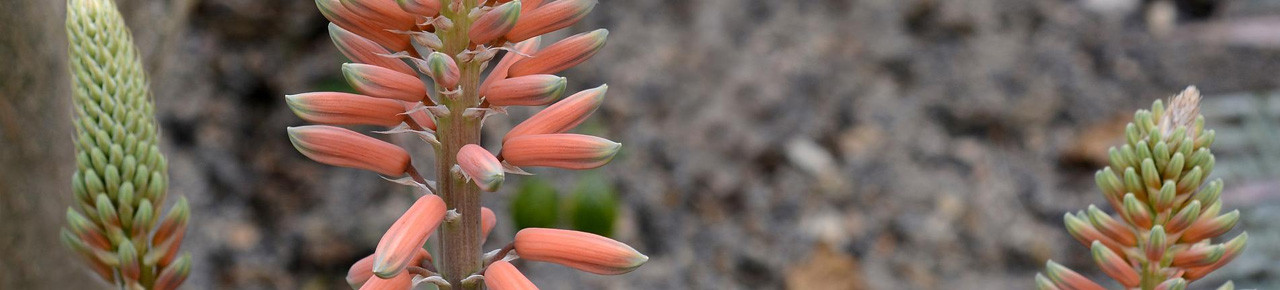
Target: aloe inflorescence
[
  {"x": 420, "y": 68},
  {"x": 1166, "y": 214},
  {"x": 117, "y": 223}
]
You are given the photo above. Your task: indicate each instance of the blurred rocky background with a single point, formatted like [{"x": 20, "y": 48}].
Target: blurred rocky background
[{"x": 815, "y": 144}]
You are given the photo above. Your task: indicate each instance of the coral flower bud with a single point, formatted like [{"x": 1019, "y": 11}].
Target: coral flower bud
[
  {"x": 442, "y": 69},
  {"x": 532, "y": 90},
  {"x": 421, "y": 117},
  {"x": 519, "y": 52},
  {"x": 1066, "y": 279},
  {"x": 1115, "y": 266},
  {"x": 579, "y": 250},
  {"x": 1184, "y": 217},
  {"x": 345, "y": 148},
  {"x": 1136, "y": 212},
  {"x": 562, "y": 55},
  {"x": 174, "y": 223},
  {"x": 562, "y": 115},
  {"x": 362, "y": 50},
  {"x": 381, "y": 82},
  {"x": 1086, "y": 233},
  {"x": 372, "y": 30},
  {"x": 550, "y": 17},
  {"x": 481, "y": 166},
  {"x": 488, "y": 220},
  {"x": 1198, "y": 255},
  {"x": 566, "y": 151},
  {"x": 1210, "y": 227},
  {"x": 385, "y": 12},
  {"x": 335, "y": 108},
  {"x": 1111, "y": 227},
  {"x": 362, "y": 270},
  {"x": 174, "y": 274},
  {"x": 401, "y": 281},
  {"x": 501, "y": 275},
  {"x": 1233, "y": 248},
  {"x": 420, "y": 7},
  {"x": 1157, "y": 243},
  {"x": 527, "y": 5},
  {"x": 402, "y": 242},
  {"x": 495, "y": 23}
]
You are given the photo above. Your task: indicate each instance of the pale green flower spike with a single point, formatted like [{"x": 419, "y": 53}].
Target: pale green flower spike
[{"x": 121, "y": 178}]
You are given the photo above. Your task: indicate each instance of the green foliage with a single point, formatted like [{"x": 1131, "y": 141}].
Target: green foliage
[
  {"x": 594, "y": 206},
  {"x": 536, "y": 205}
]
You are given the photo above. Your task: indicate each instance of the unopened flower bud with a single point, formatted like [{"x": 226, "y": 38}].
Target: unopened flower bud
[
  {"x": 442, "y": 69},
  {"x": 1114, "y": 265},
  {"x": 362, "y": 50},
  {"x": 481, "y": 167},
  {"x": 345, "y": 148},
  {"x": 362, "y": 270},
  {"x": 401, "y": 281},
  {"x": 400, "y": 244},
  {"x": 1210, "y": 227},
  {"x": 561, "y": 55},
  {"x": 1156, "y": 244},
  {"x": 369, "y": 29},
  {"x": 561, "y": 116},
  {"x": 420, "y": 7},
  {"x": 518, "y": 52},
  {"x": 376, "y": 81},
  {"x": 549, "y": 17},
  {"x": 501, "y": 275},
  {"x": 1066, "y": 279},
  {"x": 532, "y": 90},
  {"x": 579, "y": 250},
  {"x": 1137, "y": 213},
  {"x": 173, "y": 275},
  {"x": 1198, "y": 255},
  {"x": 488, "y": 220},
  {"x": 1112, "y": 228},
  {"x": 566, "y": 151},
  {"x": 1172, "y": 284},
  {"x": 495, "y": 23},
  {"x": 334, "y": 108}
]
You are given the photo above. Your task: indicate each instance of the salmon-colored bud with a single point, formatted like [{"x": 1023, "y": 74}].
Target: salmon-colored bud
[
  {"x": 488, "y": 220},
  {"x": 1086, "y": 233},
  {"x": 1232, "y": 249},
  {"x": 345, "y": 148},
  {"x": 550, "y": 17},
  {"x": 1198, "y": 255},
  {"x": 384, "y": 12},
  {"x": 333, "y": 108},
  {"x": 1043, "y": 283},
  {"x": 1185, "y": 217},
  {"x": 381, "y": 82},
  {"x": 481, "y": 166},
  {"x": 1210, "y": 227},
  {"x": 174, "y": 274},
  {"x": 173, "y": 224},
  {"x": 579, "y": 250},
  {"x": 420, "y": 7},
  {"x": 1115, "y": 266},
  {"x": 371, "y": 29},
  {"x": 501, "y": 275},
  {"x": 562, "y": 55},
  {"x": 421, "y": 117},
  {"x": 401, "y": 281},
  {"x": 528, "y": 5},
  {"x": 1137, "y": 213},
  {"x": 86, "y": 231},
  {"x": 518, "y": 52},
  {"x": 495, "y": 23},
  {"x": 402, "y": 242},
  {"x": 1066, "y": 279},
  {"x": 566, "y": 151},
  {"x": 561, "y": 116},
  {"x": 130, "y": 263},
  {"x": 532, "y": 90},
  {"x": 1111, "y": 227},
  {"x": 1157, "y": 243},
  {"x": 362, "y": 270},
  {"x": 362, "y": 50},
  {"x": 442, "y": 69}
]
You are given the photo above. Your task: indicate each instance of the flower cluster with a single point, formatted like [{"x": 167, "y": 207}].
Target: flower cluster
[
  {"x": 418, "y": 66},
  {"x": 1166, "y": 213},
  {"x": 121, "y": 179}
]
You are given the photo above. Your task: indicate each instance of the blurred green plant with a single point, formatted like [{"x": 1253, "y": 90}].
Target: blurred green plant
[
  {"x": 594, "y": 205},
  {"x": 536, "y": 205},
  {"x": 121, "y": 177},
  {"x": 1167, "y": 214}
]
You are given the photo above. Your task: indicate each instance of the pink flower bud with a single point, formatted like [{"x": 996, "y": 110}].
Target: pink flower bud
[
  {"x": 443, "y": 70},
  {"x": 481, "y": 166},
  {"x": 579, "y": 250},
  {"x": 362, "y": 270},
  {"x": 1066, "y": 279},
  {"x": 1115, "y": 266},
  {"x": 376, "y": 81},
  {"x": 345, "y": 148},
  {"x": 333, "y": 108},
  {"x": 1233, "y": 248},
  {"x": 384, "y": 12},
  {"x": 501, "y": 275},
  {"x": 420, "y": 7},
  {"x": 529, "y": 5},
  {"x": 1086, "y": 233},
  {"x": 1210, "y": 227},
  {"x": 562, "y": 55},
  {"x": 174, "y": 274},
  {"x": 488, "y": 220},
  {"x": 562, "y": 115},
  {"x": 549, "y": 17},
  {"x": 421, "y": 117},
  {"x": 519, "y": 51},
  {"x": 532, "y": 90},
  {"x": 374, "y": 31},
  {"x": 1198, "y": 255},
  {"x": 566, "y": 151},
  {"x": 362, "y": 50},
  {"x": 401, "y": 281},
  {"x": 495, "y": 23},
  {"x": 402, "y": 242}
]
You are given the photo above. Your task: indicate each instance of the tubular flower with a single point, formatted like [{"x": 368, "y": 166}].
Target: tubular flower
[
  {"x": 501, "y": 275},
  {"x": 579, "y": 250},
  {"x": 335, "y": 108},
  {"x": 121, "y": 178},
  {"x": 345, "y": 148},
  {"x": 362, "y": 270},
  {"x": 402, "y": 242},
  {"x": 426, "y": 68},
  {"x": 567, "y": 151},
  {"x": 1167, "y": 213}
]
